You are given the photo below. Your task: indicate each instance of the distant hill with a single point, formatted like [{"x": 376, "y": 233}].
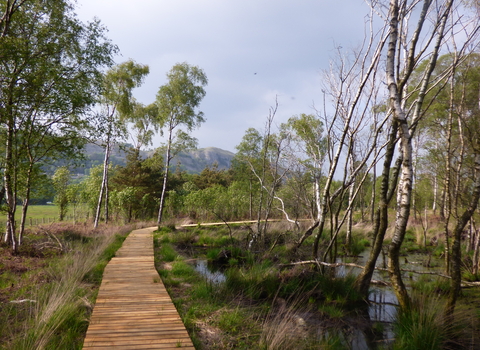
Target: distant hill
[
  {"x": 192, "y": 162},
  {"x": 196, "y": 160},
  {"x": 95, "y": 155}
]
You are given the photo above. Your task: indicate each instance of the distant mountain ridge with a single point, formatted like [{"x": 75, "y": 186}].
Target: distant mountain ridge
[
  {"x": 196, "y": 160},
  {"x": 193, "y": 161}
]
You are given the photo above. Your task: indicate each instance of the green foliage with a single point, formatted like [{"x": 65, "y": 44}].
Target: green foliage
[
  {"x": 91, "y": 188},
  {"x": 183, "y": 238},
  {"x": 204, "y": 291},
  {"x": 333, "y": 341},
  {"x": 74, "y": 196},
  {"x": 340, "y": 290},
  {"x": 212, "y": 176},
  {"x": 218, "y": 202},
  {"x": 142, "y": 120},
  {"x": 439, "y": 249},
  {"x": 177, "y": 100},
  {"x": 58, "y": 64},
  {"x": 118, "y": 84},
  {"x": 117, "y": 101},
  {"x": 227, "y": 255},
  {"x": 410, "y": 242},
  {"x": 213, "y": 253},
  {"x": 309, "y": 131},
  {"x": 470, "y": 276},
  {"x": 117, "y": 105}
]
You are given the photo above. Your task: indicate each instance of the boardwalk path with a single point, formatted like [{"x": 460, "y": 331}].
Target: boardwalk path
[{"x": 133, "y": 309}]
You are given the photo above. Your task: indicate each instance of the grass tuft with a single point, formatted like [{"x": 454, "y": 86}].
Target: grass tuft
[
  {"x": 421, "y": 326},
  {"x": 167, "y": 252}
]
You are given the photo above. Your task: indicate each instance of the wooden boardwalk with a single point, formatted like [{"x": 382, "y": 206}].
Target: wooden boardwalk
[{"x": 133, "y": 309}]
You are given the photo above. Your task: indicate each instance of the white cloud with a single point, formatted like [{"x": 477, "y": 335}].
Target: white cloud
[{"x": 251, "y": 51}]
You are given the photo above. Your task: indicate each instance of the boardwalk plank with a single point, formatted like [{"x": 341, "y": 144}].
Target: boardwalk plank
[{"x": 133, "y": 309}]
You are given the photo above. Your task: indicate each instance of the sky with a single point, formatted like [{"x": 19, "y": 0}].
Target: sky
[{"x": 254, "y": 53}]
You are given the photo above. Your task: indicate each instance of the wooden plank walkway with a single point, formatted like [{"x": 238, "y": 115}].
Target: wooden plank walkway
[{"x": 133, "y": 309}]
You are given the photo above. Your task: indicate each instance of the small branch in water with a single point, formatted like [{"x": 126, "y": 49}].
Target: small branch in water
[{"x": 317, "y": 262}]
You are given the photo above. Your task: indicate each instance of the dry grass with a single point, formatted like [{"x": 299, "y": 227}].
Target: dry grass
[
  {"x": 284, "y": 328},
  {"x": 58, "y": 315}
]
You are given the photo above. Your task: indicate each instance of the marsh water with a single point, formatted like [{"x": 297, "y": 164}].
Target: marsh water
[
  {"x": 212, "y": 275},
  {"x": 366, "y": 329}
]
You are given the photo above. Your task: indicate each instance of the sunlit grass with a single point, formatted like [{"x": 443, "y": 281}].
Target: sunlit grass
[{"x": 55, "y": 315}]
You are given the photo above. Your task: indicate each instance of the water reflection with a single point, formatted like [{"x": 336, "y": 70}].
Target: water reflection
[
  {"x": 382, "y": 305},
  {"x": 208, "y": 272}
]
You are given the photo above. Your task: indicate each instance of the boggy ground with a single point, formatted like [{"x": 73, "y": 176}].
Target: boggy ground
[
  {"x": 265, "y": 304},
  {"x": 261, "y": 305}
]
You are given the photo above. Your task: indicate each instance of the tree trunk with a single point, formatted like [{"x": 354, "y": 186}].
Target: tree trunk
[
  {"x": 322, "y": 201},
  {"x": 476, "y": 252},
  {"x": 250, "y": 204},
  {"x": 107, "y": 198},
  {"x": 447, "y": 186},
  {"x": 456, "y": 257},
  {"x": 380, "y": 223},
  {"x": 348, "y": 238},
  {"x": 26, "y": 202},
  {"x": 9, "y": 176},
  {"x": 165, "y": 178},
  {"x": 309, "y": 232},
  {"x": 435, "y": 191},
  {"x": 104, "y": 184},
  {"x": 403, "y": 212},
  {"x": 416, "y": 146},
  {"x": 395, "y": 88},
  {"x": 456, "y": 252}
]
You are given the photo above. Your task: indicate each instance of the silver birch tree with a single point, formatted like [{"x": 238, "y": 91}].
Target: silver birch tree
[
  {"x": 117, "y": 107},
  {"x": 177, "y": 102}
]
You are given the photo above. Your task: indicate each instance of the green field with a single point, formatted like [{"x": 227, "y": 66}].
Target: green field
[
  {"x": 38, "y": 214},
  {"x": 39, "y": 211}
]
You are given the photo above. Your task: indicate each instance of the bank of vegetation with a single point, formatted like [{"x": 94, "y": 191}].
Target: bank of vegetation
[
  {"x": 48, "y": 289},
  {"x": 231, "y": 297}
]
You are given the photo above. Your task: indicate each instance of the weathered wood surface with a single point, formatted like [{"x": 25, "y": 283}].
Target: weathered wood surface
[{"x": 133, "y": 309}]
